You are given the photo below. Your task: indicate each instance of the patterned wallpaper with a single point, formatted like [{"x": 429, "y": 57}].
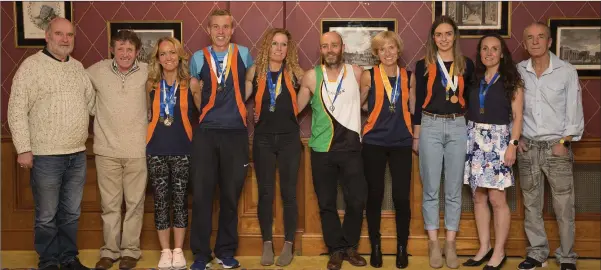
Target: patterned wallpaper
[{"x": 303, "y": 21}]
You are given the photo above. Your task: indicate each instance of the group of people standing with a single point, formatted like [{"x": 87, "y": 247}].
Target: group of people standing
[{"x": 477, "y": 119}]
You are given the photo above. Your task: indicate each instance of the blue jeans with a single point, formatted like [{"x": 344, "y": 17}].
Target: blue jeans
[
  {"x": 57, "y": 184},
  {"x": 442, "y": 139}
]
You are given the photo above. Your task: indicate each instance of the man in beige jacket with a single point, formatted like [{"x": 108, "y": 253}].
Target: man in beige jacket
[{"x": 120, "y": 148}]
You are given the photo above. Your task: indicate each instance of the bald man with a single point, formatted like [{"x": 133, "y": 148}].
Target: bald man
[
  {"x": 553, "y": 118},
  {"x": 48, "y": 115},
  {"x": 333, "y": 89}
]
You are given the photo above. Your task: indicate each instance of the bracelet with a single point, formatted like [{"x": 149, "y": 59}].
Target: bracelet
[{"x": 416, "y": 138}]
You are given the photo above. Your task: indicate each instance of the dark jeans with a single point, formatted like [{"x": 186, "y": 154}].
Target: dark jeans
[
  {"x": 283, "y": 150},
  {"x": 218, "y": 157},
  {"x": 57, "y": 185},
  {"x": 399, "y": 159},
  {"x": 328, "y": 168}
]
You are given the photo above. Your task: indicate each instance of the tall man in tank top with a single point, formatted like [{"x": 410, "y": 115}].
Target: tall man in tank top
[
  {"x": 333, "y": 90},
  {"x": 220, "y": 142}
]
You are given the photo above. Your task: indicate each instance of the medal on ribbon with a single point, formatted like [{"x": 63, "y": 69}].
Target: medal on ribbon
[
  {"x": 392, "y": 92},
  {"x": 340, "y": 78},
  {"x": 274, "y": 88},
  {"x": 484, "y": 90},
  {"x": 449, "y": 84},
  {"x": 168, "y": 100},
  {"x": 222, "y": 70}
]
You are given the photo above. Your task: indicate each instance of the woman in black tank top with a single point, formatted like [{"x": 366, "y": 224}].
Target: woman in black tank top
[
  {"x": 496, "y": 101},
  {"x": 274, "y": 79}
]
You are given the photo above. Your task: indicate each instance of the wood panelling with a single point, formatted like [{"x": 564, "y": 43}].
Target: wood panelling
[{"x": 17, "y": 214}]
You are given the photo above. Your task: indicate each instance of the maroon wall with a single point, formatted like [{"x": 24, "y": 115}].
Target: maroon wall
[{"x": 303, "y": 21}]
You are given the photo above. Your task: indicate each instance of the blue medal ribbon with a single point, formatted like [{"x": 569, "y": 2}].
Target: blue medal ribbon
[
  {"x": 484, "y": 91},
  {"x": 394, "y": 96},
  {"x": 168, "y": 99},
  {"x": 218, "y": 67},
  {"x": 272, "y": 88}
]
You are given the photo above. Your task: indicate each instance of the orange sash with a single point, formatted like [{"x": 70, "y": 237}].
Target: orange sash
[
  {"x": 261, "y": 85},
  {"x": 379, "y": 95}
]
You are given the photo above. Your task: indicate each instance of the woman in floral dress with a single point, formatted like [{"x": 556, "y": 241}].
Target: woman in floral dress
[{"x": 494, "y": 127}]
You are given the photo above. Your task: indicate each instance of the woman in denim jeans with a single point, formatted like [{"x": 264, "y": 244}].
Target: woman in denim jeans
[
  {"x": 441, "y": 80},
  {"x": 275, "y": 79}
]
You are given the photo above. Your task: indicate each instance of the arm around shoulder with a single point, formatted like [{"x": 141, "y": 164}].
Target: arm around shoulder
[{"x": 306, "y": 89}]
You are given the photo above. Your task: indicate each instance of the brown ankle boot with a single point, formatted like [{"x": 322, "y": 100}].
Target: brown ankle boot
[
  {"x": 450, "y": 254},
  {"x": 434, "y": 254}
]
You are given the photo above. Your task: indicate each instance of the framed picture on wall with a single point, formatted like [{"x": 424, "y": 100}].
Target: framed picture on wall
[
  {"x": 476, "y": 18},
  {"x": 32, "y": 18},
  {"x": 357, "y": 35},
  {"x": 576, "y": 40},
  {"x": 148, "y": 31}
]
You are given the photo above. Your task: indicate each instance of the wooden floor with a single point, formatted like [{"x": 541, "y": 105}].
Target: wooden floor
[{"x": 28, "y": 259}]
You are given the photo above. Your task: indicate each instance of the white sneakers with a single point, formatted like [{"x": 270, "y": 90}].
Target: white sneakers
[
  {"x": 172, "y": 260},
  {"x": 179, "y": 261},
  {"x": 165, "y": 260}
]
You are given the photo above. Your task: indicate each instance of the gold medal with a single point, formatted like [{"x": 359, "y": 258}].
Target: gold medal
[
  {"x": 481, "y": 110},
  {"x": 168, "y": 121},
  {"x": 454, "y": 99}
]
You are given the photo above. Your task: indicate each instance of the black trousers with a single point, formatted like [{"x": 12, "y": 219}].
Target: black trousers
[
  {"x": 284, "y": 151},
  {"x": 219, "y": 157},
  {"x": 328, "y": 168},
  {"x": 399, "y": 159}
]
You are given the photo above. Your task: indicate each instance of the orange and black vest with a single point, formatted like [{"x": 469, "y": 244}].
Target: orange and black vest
[
  {"x": 432, "y": 73},
  {"x": 382, "y": 126},
  {"x": 174, "y": 139},
  {"x": 223, "y": 109},
  {"x": 262, "y": 87}
]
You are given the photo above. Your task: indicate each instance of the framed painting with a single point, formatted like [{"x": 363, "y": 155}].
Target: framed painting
[
  {"x": 576, "y": 41},
  {"x": 32, "y": 18},
  {"x": 476, "y": 18},
  {"x": 357, "y": 35},
  {"x": 148, "y": 32}
]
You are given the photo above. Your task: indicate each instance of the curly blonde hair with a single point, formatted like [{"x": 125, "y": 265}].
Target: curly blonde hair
[
  {"x": 155, "y": 70},
  {"x": 291, "y": 60}
]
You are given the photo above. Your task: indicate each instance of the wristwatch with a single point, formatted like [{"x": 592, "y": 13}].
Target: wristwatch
[
  {"x": 514, "y": 142},
  {"x": 565, "y": 143}
]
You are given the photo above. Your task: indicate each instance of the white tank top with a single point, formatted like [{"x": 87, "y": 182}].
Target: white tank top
[{"x": 347, "y": 106}]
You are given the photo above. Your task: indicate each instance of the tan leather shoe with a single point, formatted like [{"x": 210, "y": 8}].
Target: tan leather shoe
[
  {"x": 434, "y": 254},
  {"x": 128, "y": 262},
  {"x": 450, "y": 254},
  {"x": 104, "y": 263},
  {"x": 335, "y": 262}
]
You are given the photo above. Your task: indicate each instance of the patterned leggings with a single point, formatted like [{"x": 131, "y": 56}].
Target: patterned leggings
[{"x": 169, "y": 173}]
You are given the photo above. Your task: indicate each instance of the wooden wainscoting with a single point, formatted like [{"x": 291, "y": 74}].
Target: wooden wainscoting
[{"x": 17, "y": 214}]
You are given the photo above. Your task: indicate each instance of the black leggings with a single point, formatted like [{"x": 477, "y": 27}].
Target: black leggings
[
  {"x": 399, "y": 159},
  {"x": 169, "y": 173},
  {"x": 284, "y": 151}
]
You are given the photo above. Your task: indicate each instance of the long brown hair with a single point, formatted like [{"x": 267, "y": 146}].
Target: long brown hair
[
  {"x": 432, "y": 49},
  {"x": 290, "y": 62},
  {"x": 155, "y": 70},
  {"x": 512, "y": 80}
]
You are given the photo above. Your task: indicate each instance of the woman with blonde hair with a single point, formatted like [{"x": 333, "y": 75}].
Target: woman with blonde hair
[
  {"x": 172, "y": 109},
  {"x": 387, "y": 138},
  {"x": 275, "y": 80},
  {"x": 442, "y": 78}
]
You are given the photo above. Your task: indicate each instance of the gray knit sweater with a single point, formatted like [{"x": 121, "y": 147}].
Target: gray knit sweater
[{"x": 49, "y": 106}]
